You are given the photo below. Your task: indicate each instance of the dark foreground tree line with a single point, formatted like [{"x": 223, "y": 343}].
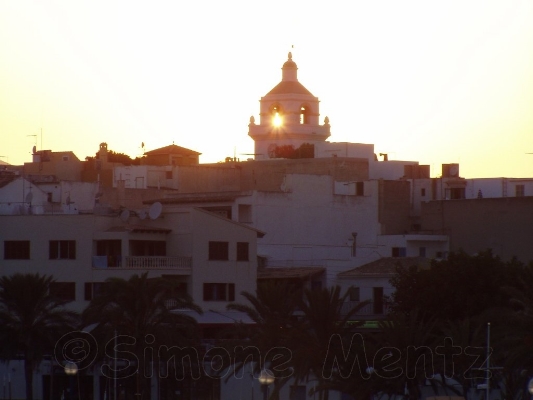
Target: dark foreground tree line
[{"x": 435, "y": 334}]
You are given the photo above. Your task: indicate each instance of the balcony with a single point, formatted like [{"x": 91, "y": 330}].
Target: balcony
[{"x": 142, "y": 262}]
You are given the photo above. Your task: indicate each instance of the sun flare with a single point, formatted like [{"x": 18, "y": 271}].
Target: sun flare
[{"x": 277, "y": 121}]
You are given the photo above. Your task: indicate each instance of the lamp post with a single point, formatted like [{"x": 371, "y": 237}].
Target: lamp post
[
  {"x": 266, "y": 377},
  {"x": 71, "y": 369}
]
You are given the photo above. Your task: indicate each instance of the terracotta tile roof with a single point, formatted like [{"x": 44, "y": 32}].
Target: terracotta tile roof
[
  {"x": 385, "y": 266},
  {"x": 172, "y": 149},
  {"x": 6, "y": 179},
  {"x": 195, "y": 199},
  {"x": 289, "y": 272}
]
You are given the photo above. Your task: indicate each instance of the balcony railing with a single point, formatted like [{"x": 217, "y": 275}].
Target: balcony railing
[{"x": 142, "y": 262}]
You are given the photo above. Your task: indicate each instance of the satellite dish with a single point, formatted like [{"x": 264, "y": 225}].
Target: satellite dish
[
  {"x": 125, "y": 215},
  {"x": 142, "y": 214},
  {"x": 155, "y": 210}
]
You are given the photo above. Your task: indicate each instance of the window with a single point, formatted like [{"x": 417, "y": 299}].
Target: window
[
  {"x": 359, "y": 188},
  {"x": 219, "y": 291},
  {"x": 399, "y": 251},
  {"x": 455, "y": 193},
  {"x": 62, "y": 250},
  {"x": 276, "y": 113},
  {"x": 168, "y": 174},
  {"x": 354, "y": 294},
  {"x": 378, "y": 300},
  {"x": 63, "y": 290},
  {"x": 92, "y": 289},
  {"x": 17, "y": 250},
  {"x": 423, "y": 192},
  {"x": 149, "y": 248},
  {"x": 218, "y": 250},
  {"x": 519, "y": 190},
  {"x": 422, "y": 251},
  {"x": 242, "y": 251},
  {"x": 65, "y": 158},
  {"x": 245, "y": 213},
  {"x": 304, "y": 115},
  {"x": 109, "y": 253}
]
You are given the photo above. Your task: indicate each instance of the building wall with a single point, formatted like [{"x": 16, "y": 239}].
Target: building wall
[
  {"x": 238, "y": 176},
  {"x": 394, "y": 206},
  {"x": 498, "y": 187},
  {"x": 15, "y": 198},
  {"x": 390, "y": 170},
  {"x": 191, "y": 231},
  {"x": 268, "y": 175},
  {"x": 307, "y": 224},
  {"x": 434, "y": 246},
  {"x": 366, "y": 286},
  {"x": 206, "y": 178},
  {"x": 242, "y": 273},
  {"x": 503, "y": 224},
  {"x": 63, "y": 165},
  {"x": 344, "y": 149}
]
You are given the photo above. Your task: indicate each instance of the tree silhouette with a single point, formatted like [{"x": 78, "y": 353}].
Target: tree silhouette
[
  {"x": 138, "y": 309},
  {"x": 31, "y": 320}
]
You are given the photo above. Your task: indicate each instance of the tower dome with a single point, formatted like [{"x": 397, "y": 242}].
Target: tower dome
[
  {"x": 289, "y": 115},
  {"x": 289, "y": 70}
]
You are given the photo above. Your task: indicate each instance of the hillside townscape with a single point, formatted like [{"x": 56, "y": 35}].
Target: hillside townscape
[{"x": 310, "y": 269}]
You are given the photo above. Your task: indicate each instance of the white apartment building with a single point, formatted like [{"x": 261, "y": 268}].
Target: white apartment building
[{"x": 214, "y": 259}]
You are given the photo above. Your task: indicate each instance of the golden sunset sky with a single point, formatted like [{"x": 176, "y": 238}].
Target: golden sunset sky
[{"x": 429, "y": 81}]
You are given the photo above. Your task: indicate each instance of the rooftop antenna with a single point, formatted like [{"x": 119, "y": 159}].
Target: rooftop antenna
[
  {"x": 125, "y": 215},
  {"x": 34, "y": 147},
  {"x": 142, "y": 214}
]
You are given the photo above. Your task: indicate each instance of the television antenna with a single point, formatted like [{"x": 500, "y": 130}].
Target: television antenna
[
  {"x": 155, "y": 210},
  {"x": 142, "y": 214},
  {"x": 125, "y": 215},
  {"x": 35, "y": 146}
]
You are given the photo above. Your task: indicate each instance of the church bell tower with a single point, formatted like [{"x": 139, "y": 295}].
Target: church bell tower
[{"x": 289, "y": 116}]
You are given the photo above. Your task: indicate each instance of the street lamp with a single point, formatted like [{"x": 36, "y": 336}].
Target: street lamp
[
  {"x": 266, "y": 377},
  {"x": 530, "y": 386},
  {"x": 71, "y": 369}
]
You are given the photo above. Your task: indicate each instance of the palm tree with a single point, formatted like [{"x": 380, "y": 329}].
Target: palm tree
[
  {"x": 139, "y": 307},
  {"x": 409, "y": 340},
  {"x": 272, "y": 309},
  {"x": 513, "y": 337},
  {"x": 468, "y": 333},
  {"x": 31, "y": 320},
  {"x": 323, "y": 319}
]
